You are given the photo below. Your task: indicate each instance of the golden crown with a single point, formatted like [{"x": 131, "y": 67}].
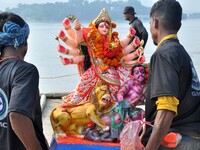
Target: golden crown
[{"x": 103, "y": 16}]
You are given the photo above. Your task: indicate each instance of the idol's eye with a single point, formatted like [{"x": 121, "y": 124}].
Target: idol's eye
[
  {"x": 142, "y": 71},
  {"x": 101, "y": 26},
  {"x": 136, "y": 72},
  {"x": 104, "y": 26}
]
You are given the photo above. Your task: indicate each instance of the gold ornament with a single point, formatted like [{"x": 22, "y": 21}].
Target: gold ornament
[{"x": 103, "y": 16}]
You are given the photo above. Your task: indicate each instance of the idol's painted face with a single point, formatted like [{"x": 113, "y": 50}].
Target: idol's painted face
[
  {"x": 103, "y": 28},
  {"x": 139, "y": 73}
]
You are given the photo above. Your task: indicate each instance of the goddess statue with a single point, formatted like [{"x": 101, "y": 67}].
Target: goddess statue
[
  {"x": 103, "y": 61},
  {"x": 107, "y": 55}
]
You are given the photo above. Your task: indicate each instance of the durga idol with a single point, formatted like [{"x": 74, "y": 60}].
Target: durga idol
[{"x": 107, "y": 55}]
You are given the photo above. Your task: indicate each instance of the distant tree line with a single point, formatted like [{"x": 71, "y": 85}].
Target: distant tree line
[
  {"x": 81, "y": 9},
  {"x": 194, "y": 16}
]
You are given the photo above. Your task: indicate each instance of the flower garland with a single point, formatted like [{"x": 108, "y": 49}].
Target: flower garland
[{"x": 109, "y": 51}]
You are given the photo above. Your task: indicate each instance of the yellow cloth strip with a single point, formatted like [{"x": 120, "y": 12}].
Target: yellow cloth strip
[
  {"x": 167, "y": 103},
  {"x": 170, "y": 36}
]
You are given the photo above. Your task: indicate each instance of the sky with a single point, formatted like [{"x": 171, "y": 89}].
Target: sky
[{"x": 189, "y": 6}]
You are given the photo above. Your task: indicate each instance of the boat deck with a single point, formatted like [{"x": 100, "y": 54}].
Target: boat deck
[{"x": 47, "y": 107}]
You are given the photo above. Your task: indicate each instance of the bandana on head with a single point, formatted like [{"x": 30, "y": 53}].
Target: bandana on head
[{"x": 13, "y": 34}]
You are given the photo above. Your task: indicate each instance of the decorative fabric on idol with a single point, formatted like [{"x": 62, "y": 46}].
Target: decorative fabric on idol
[{"x": 87, "y": 82}]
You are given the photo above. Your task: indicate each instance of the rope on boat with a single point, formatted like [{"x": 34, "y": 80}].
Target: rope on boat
[{"x": 55, "y": 77}]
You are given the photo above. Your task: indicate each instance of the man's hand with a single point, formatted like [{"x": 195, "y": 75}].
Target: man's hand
[{"x": 160, "y": 128}]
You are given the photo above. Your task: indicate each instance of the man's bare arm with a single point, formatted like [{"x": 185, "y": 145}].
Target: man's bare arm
[
  {"x": 23, "y": 128},
  {"x": 161, "y": 127}
]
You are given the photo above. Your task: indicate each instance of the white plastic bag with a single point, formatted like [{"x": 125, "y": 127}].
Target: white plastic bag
[{"x": 129, "y": 137}]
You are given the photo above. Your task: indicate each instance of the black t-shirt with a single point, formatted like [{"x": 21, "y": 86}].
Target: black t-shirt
[
  {"x": 172, "y": 74},
  {"x": 19, "y": 93},
  {"x": 141, "y": 31}
]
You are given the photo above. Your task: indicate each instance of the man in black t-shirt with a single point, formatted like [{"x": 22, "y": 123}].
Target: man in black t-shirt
[
  {"x": 20, "y": 111},
  {"x": 173, "y": 93},
  {"x": 134, "y": 22}
]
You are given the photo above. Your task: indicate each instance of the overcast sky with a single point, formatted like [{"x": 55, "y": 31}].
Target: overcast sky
[{"x": 189, "y": 6}]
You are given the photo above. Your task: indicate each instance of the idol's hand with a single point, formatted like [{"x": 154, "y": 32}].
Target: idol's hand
[
  {"x": 131, "y": 32},
  {"x": 62, "y": 49},
  {"x": 61, "y": 35},
  {"x": 65, "y": 60},
  {"x": 77, "y": 24},
  {"x": 66, "y": 23},
  {"x": 68, "y": 41}
]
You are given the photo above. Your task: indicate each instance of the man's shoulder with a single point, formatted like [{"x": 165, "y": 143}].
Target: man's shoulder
[
  {"x": 136, "y": 19},
  {"x": 16, "y": 63},
  {"x": 136, "y": 22},
  {"x": 170, "y": 45},
  {"x": 23, "y": 66},
  {"x": 171, "y": 49},
  {"x": 22, "y": 63}
]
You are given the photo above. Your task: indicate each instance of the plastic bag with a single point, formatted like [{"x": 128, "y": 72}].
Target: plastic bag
[{"x": 129, "y": 137}]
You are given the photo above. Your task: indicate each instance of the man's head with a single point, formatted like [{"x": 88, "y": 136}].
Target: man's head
[
  {"x": 14, "y": 32},
  {"x": 129, "y": 13},
  {"x": 165, "y": 15}
]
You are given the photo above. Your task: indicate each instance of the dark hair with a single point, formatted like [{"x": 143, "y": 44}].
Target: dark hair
[
  {"x": 8, "y": 16},
  {"x": 100, "y": 21},
  {"x": 132, "y": 70},
  {"x": 169, "y": 12},
  {"x": 129, "y": 9}
]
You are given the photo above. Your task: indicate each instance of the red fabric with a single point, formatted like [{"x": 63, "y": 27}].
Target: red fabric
[
  {"x": 85, "y": 32},
  {"x": 108, "y": 51},
  {"x": 76, "y": 140}
]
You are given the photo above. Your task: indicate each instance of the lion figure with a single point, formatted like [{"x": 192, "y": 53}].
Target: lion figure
[{"x": 72, "y": 120}]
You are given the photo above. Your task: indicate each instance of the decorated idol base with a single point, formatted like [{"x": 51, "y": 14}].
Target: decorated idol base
[
  {"x": 75, "y": 143},
  {"x": 95, "y": 139}
]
